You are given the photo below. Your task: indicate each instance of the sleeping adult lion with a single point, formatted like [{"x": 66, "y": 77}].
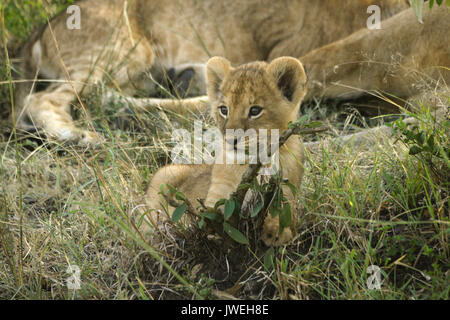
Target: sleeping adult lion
[{"x": 122, "y": 42}]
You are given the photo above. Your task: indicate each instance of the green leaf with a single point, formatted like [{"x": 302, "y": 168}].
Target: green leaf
[
  {"x": 244, "y": 186},
  {"x": 180, "y": 196},
  {"x": 436, "y": 150},
  {"x": 234, "y": 234},
  {"x": 163, "y": 190},
  {"x": 285, "y": 217},
  {"x": 257, "y": 209},
  {"x": 205, "y": 292},
  {"x": 210, "y": 216},
  {"x": 417, "y": 6},
  {"x": 268, "y": 259},
  {"x": 276, "y": 205},
  {"x": 230, "y": 205},
  {"x": 238, "y": 207},
  {"x": 171, "y": 188},
  {"x": 274, "y": 211},
  {"x": 178, "y": 213},
  {"x": 299, "y": 122},
  {"x": 415, "y": 150},
  {"x": 430, "y": 142},
  {"x": 293, "y": 188},
  {"x": 219, "y": 203},
  {"x": 421, "y": 137}
]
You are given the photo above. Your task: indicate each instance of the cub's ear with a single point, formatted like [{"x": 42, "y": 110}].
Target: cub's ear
[
  {"x": 217, "y": 68},
  {"x": 290, "y": 78}
]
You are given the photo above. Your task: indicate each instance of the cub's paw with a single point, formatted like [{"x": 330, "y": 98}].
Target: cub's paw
[{"x": 271, "y": 234}]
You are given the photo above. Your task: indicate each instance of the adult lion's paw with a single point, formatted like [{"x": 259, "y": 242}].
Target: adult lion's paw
[
  {"x": 89, "y": 138},
  {"x": 271, "y": 235}
]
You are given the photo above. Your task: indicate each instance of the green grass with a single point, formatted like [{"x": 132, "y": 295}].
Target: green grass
[{"x": 360, "y": 205}]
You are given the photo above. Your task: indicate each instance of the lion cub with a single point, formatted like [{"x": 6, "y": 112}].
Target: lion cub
[{"x": 257, "y": 95}]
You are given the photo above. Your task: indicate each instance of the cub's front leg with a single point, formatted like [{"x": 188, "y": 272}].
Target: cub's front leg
[{"x": 291, "y": 161}]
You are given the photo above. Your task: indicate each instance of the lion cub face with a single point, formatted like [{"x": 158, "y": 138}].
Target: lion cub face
[{"x": 257, "y": 95}]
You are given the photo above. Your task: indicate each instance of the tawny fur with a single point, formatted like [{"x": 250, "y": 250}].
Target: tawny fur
[
  {"x": 278, "y": 88},
  {"x": 403, "y": 59},
  {"x": 119, "y": 44}
]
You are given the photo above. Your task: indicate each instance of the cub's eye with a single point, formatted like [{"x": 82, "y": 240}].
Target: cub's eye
[
  {"x": 255, "y": 111},
  {"x": 223, "y": 110}
]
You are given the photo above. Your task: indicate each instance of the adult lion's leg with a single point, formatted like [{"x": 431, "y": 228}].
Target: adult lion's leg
[
  {"x": 186, "y": 84},
  {"x": 188, "y": 80},
  {"x": 49, "y": 111},
  {"x": 104, "y": 49},
  {"x": 179, "y": 106},
  {"x": 401, "y": 59}
]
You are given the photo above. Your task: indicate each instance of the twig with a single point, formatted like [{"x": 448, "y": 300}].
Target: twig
[
  {"x": 212, "y": 226},
  {"x": 252, "y": 171},
  {"x": 189, "y": 208}
]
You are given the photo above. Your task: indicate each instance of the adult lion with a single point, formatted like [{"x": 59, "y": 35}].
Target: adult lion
[{"x": 122, "y": 41}]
